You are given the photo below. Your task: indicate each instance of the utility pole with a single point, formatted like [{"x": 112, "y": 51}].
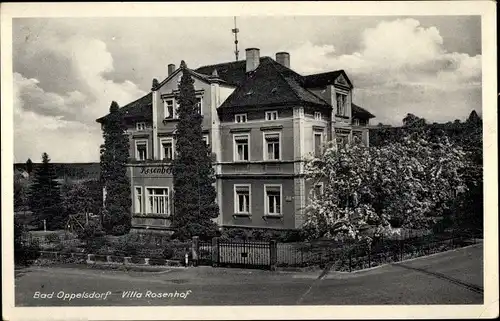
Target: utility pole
[{"x": 235, "y": 31}]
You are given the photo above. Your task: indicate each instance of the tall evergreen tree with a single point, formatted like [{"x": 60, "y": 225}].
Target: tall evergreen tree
[
  {"x": 45, "y": 197},
  {"x": 194, "y": 196},
  {"x": 114, "y": 155},
  {"x": 29, "y": 166}
]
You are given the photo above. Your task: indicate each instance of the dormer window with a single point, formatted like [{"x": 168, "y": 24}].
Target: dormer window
[
  {"x": 317, "y": 115},
  {"x": 356, "y": 122},
  {"x": 271, "y": 115},
  {"x": 140, "y": 126},
  {"x": 240, "y": 118}
]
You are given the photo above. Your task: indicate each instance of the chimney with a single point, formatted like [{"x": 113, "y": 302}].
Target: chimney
[
  {"x": 283, "y": 58},
  {"x": 253, "y": 58},
  {"x": 171, "y": 69}
]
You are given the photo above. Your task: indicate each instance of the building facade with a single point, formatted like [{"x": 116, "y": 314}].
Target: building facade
[{"x": 261, "y": 121}]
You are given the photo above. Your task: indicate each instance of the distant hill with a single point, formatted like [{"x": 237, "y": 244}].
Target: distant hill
[{"x": 69, "y": 170}]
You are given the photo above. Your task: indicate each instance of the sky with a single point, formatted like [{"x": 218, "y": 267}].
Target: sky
[{"x": 68, "y": 70}]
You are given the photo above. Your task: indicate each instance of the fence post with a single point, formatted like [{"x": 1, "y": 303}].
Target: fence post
[
  {"x": 195, "y": 248},
  {"x": 273, "y": 248},
  {"x": 215, "y": 251}
]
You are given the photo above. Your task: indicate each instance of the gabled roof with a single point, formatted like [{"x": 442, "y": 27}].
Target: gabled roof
[
  {"x": 324, "y": 79},
  {"x": 138, "y": 108},
  {"x": 360, "y": 112},
  {"x": 268, "y": 86}
]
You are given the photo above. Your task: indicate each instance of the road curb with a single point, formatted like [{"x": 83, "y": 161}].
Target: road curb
[{"x": 340, "y": 274}]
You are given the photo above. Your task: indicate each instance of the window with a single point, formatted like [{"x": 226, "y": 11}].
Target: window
[
  {"x": 271, "y": 115},
  {"x": 317, "y": 115},
  {"x": 206, "y": 140},
  {"x": 168, "y": 105},
  {"x": 241, "y": 143},
  {"x": 242, "y": 199},
  {"x": 167, "y": 148},
  {"x": 158, "y": 201},
  {"x": 272, "y": 146},
  {"x": 199, "y": 105},
  {"x": 342, "y": 140},
  {"x": 341, "y": 104},
  {"x": 355, "y": 122},
  {"x": 318, "y": 141},
  {"x": 240, "y": 118},
  {"x": 138, "y": 200},
  {"x": 140, "y": 126},
  {"x": 272, "y": 199},
  {"x": 141, "y": 149},
  {"x": 318, "y": 189}
]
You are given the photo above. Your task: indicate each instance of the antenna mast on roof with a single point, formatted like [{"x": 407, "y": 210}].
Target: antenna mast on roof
[{"x": 235, "y": 31}]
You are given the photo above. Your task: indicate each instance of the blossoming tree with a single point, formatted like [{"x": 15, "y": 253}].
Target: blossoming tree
[{"x": 409, "y": 183}]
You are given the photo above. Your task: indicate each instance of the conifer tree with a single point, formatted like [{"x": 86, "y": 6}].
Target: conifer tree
[
  {"x": 29, "y": 166},
  {"x": 45, "y": 196},
  {"x": 114, "y": 155},
  {"x": 194, "y": 196}
]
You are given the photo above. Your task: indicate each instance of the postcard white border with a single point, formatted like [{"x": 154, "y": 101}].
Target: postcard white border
[{"x": 484, "y": 8}]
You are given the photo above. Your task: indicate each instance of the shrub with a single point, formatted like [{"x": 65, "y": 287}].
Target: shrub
[
  {"x": 53, "y": 238},
  {"x": 168, "y": 253}
]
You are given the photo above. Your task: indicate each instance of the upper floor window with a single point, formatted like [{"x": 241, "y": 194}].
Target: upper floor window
[
  {"x": 341, "y": 104},
  {"x": 167, "y": 151},
  {"x": 317, "y": 115},
  {"x": 199, "y": 105},
  {"x": 140, "y": 126},
  {"x": 272, "y": 199},
  {"x": 240, "y": 118},
  {"x": 141, "y": 149},
  {"x": 168, "y": 105},
  {"x": 241, "y": 147},
  {"x": 318, "y": 142},
  {"x": 272, "y": 146},
  {"x": 355, "y": 122},
  {"x": 271, "y": 115},
  {"x": 206, "y": 140}
]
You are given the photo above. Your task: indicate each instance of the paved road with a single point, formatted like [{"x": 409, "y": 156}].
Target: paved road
[{"x": 454, "y": 277}]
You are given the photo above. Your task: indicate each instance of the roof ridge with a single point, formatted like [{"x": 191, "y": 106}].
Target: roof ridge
[
  {"x": 228, "y": 62},
  {"x": 325, "y": 72}
]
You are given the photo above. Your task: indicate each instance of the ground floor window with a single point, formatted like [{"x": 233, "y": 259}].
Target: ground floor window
[
  {"x": 242, "y": 199},
  {"x": 158, "y": 200},
  {"x": 138, "y": 200},
  {"x": 272, "y": 199}
]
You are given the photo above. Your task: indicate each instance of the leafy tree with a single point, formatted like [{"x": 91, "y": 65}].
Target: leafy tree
[
  {"x": 406, "y": 183},
  {"x": 114, "y": 155},
  {"x": 194, "y": 197},
  {"x": 45, "y": 197}
]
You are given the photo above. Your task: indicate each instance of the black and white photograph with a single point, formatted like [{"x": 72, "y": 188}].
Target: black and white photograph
[{"x": 249, "y": 160}]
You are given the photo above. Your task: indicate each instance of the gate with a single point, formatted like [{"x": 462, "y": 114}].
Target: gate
[{"x": 245, "y": 254}]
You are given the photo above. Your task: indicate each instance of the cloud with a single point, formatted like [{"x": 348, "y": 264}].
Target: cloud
[
  {"x": 44, "y": 121},
  {"x": 402, "y": 68}
]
